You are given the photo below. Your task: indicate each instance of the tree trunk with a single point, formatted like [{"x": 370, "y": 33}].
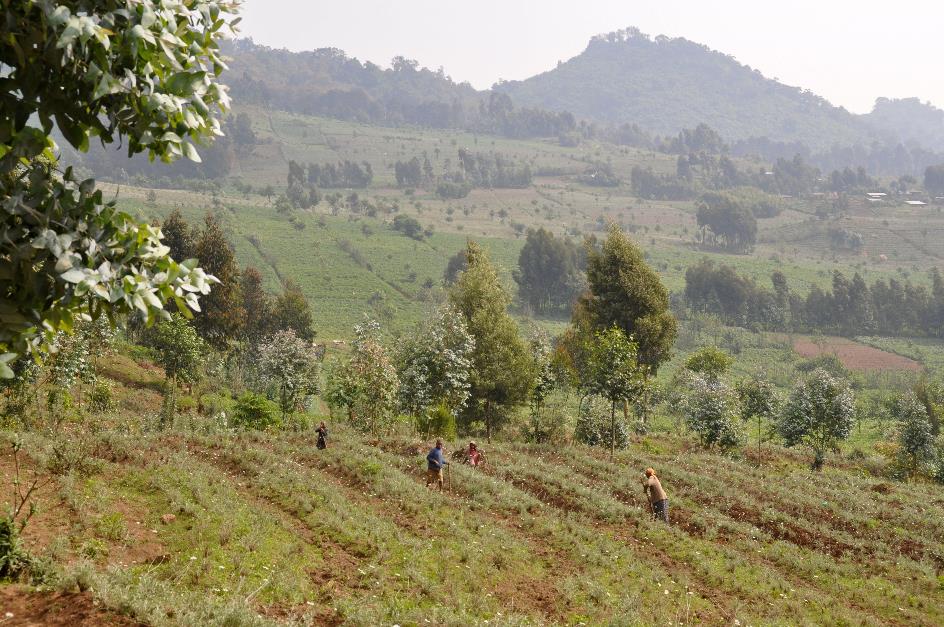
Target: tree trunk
[
  {"x": 488, "y": 421},
  {"x": 612, "y": 429}
]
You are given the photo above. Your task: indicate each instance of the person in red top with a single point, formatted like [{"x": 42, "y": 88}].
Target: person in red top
[{"x": 473, "y": 455}]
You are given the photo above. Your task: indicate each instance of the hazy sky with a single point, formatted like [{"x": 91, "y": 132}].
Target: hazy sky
[{"x": 845, "y": 50}]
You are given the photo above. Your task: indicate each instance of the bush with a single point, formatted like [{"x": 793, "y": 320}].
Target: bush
[
  {"x": 593, "y": 424},
  {"x": 452, "y": 190},
  {"x": 439, "y": 422},
  {"x": 547, "y": 424},
  {"x": 254, "y": 411},
  {"x": 14, "y": 560},
  {"x": 712, "y": 412},
  {"x": 939, "y": 466},
  {"x": 101, "y": 399},
  {"x": 215, "y": 404}
]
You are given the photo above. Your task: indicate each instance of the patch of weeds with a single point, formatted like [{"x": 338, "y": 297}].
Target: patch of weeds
[
  {"x": 112, "y": 527},
  {"x": 93, "y": 549}
]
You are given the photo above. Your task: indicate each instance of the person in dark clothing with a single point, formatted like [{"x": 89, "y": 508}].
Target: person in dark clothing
[
  {"x": 435, "y": 462},
  {"x": 322, "y": 436},
  {"x": 657, "y": 497}
]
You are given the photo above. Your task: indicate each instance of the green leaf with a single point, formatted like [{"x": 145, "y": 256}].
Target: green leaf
[{"x": 190, "y": 152}]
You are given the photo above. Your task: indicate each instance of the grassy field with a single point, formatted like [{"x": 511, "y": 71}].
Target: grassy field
[
  {"x": 352, "y": 264},
  {"x": 199, "y": 526}
]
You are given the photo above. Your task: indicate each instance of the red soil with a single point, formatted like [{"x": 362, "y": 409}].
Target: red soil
[
  {"x": 21, "y": 606},
  {"x": 853, "y": 355}
]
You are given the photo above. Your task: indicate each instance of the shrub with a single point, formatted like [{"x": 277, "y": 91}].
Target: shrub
[
  {"x": 101, "y": 399},
  {"x": 547, "y": 424},
  {"x": 14, "y": 560},
  {"x": 593, "y": 425},
  {"x": 215, "y": 404},
  {"x": 439, "y": 422},
  {"x": 254, "y": 411},
  {"x": 712, "y": 411},
  {"x": 915, "y": 436}
]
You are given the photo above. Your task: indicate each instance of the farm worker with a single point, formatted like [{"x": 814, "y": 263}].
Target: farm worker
[
  {"x": 657, "y": 498},
  {"x": 435, "y": 462},
  {"x": 322, "y": 436},
  {"x": 473, "y": 454}
]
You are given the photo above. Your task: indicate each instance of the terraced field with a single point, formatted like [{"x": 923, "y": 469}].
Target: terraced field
[{"x": 266, "y": 527}]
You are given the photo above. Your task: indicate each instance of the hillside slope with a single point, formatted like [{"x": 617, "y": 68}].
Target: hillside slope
[
  {"x": 350, "y": 535},
  {"x": 665, "y": 84},
  {"x": 910, "y": 120}
]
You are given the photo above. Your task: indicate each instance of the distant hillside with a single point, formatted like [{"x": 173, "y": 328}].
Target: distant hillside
[
  {"x": 328, "y": 82},
  {"x": 666, "y": 84},
  {"x": 910, "y": 120}
]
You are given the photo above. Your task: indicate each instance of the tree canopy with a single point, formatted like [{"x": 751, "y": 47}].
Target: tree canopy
[
  {"x": 144, "y": 73},
  {"x": 502, "y": 371},
  {"x": 549, "y": 273},
  {"x": 626, "y": 292}
]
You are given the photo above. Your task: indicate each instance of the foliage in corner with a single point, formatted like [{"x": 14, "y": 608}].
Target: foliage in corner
[{"x": 145, "y": 73}]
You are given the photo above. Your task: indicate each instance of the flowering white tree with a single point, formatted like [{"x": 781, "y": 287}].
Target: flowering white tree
[
  {"x": 435, "y": 365},
  {"x": 712, "y": 411},
  {"x": 288, "y": 364},
  {"x": 819, "y": 414},
  {"x": 365, "y": 385},
  {"x": 915, "y": 435}
]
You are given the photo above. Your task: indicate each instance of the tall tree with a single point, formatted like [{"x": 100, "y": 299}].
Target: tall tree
[
  {"x": 258, "y": 306},
  {"x": 502, "y": 371},
  {"x": 548, "y": 275},
  {"x": 934, "y": 179},
  {"x": 178, "y": 236},
  {"x": 732, "y": 225},
  {"x": 222, "y": 315},
  {"x": 293, "y": 312},
  {"x": 624, "y": 291},
  {"x": 96, "y": 70}
]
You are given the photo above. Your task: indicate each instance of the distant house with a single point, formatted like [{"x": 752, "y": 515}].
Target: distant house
[
  {"x": 915, "y": 203},
  {"x": 877, "y": 195}
]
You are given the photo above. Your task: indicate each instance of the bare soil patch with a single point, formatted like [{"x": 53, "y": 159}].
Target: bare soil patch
[
  {"x": 853, "y": 355},
  {"x": 21, "y": 606}
]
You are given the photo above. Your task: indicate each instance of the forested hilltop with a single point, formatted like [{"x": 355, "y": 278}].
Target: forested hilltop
[
  {"x": 910, "y": 120},
  {"x": 664, "y": 84},
  {"x": 625, "y": 89}
]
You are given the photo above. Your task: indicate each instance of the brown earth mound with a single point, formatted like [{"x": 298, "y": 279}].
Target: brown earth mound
[{"x": 21, "y": 606}]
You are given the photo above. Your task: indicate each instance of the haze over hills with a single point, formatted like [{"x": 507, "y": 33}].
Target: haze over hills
[
  {"x": 664, "y": 84},
  {"x": 910, "y": 120},
  {"x": 660, "y": 85}
]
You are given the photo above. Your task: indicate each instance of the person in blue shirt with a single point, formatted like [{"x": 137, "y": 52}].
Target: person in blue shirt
[{"x": 435, "y": 463}]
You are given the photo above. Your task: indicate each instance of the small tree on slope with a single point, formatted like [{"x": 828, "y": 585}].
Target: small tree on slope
[
  {"x": 288, "y": 364},
  {"x": 712, "y": 411},
  {"x": 914, "y": 434},
  {"x": 819, "y": 414},
  {"x": 615, "y": 373},
  {"x": 365, "y": 385}
]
